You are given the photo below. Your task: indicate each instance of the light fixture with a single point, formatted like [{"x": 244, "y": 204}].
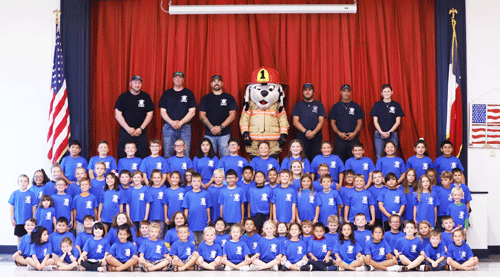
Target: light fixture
[{"x": 263, "y": 9}]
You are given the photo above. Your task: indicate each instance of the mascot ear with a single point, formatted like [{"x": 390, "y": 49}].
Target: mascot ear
[
  {"x": 246, "y": 104},
  {"x": 282, "y": 99}
]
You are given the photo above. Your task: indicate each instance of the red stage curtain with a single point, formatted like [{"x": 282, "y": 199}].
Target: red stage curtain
[{"x": 390, "y": 41}]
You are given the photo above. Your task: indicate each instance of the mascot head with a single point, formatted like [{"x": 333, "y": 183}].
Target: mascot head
[{"x": 265, "y": 89}]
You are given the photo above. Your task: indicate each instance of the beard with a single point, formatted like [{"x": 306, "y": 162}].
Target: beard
[{"x": 217, "y": 88}]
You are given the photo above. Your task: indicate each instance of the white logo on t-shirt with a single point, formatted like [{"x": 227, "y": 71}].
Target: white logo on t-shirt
[
  {"x": 158, "y": 165},
  {"x": 141, "y": 103},
  {"x": 180, "y": 196},
  {"x": 66, "y": 202},
  {"x": 323, "y": 248},
  {"x": 381, "y": 251},
  {"x": 288, "y": 197},
  {"x": 331, "y": 202},
  {"x": 425, "y": 166},
  {"x": 27, "y": 199},
  {"x": 461, "y": 215},
  {"x": 273, "y": 247},
  {"x": 237, "y": 197},
  {"x": 134, "y": 166},
  {"x": 158, "y": 249},
  {"x": 99, "y": 249},
  {"x": 311, "y": 198},
  {"x": 365, "y": 166},
  {"x": 413, "y": 248},
  {"x": 333, "y": 164},
  {"x": 107, "y": 164},
  {"x": 263, "y": 197},
  {"x": 269, "y": 166},
  {"x": 188, "y": 251},
  {"x": 350, "y": 249},
  {"x": 240, "y": 163},
  {"x": 397, "y": 164},
  {"x": 223, "y": 102},
  {"x": 88, "y": 205},
  {"x": 78, "y": 164},
  {"x": 127, "y": 252},
  {"x": 392, "y": 110},
  {"x": 160, "y": 195},
  {"x": 396, "y": 199},
  {"x": 315, "y": 109},
  {"x": 364, "y": 200},
  {"x": 115, "y": 198},
  {"x": 203, "y": 202},
  {"x": 212, "y": 254},
  {"x": 238, "y": 250},
  {"x": 351, "y": 111},
  {"x": 211, "y": 163},
  {"x": 141, "y": 196},
  {"x": 453, "y": 165},
  {"x": 184, "y": 166},
  {"x": 430, "y": 201},
  {"x": 299, "y": 250},
  {"x": 184, "y": 99},
  {"x": 48, "y": 216},
  {"x": 254, "y": 245}
]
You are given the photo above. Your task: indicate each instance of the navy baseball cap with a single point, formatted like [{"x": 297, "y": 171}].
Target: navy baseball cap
[
  {"x": 307, "y": 85},
  {"x": 345, "y": 86},
  {"x": 136, "y": 77},
  {"x": 216, "y": 77},
  {"x": 179, "y": 73}
]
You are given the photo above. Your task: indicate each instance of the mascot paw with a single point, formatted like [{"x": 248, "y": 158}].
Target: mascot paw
[
  {"x": 246, "y": 139},
  {"x": 282, "y": 140}
]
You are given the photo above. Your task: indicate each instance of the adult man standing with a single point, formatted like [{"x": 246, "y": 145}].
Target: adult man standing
[
  {"x": 133, "y": 111},
  {"x": 177, "y": 108},
  {"x": 346, "y": 118},
  {"x": 217, "y": 111},
  {"x": 308, "y": 118}
]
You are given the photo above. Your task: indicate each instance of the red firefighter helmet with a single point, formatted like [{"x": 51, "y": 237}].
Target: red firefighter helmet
[{"x": 265, "y": 75}]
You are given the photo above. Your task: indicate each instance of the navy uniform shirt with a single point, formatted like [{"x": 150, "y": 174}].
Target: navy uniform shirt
[
  {"x": 346, "y": 116},
  {"x": 177, "y": 103},
  {"x": 217, "y": 108},
  {"x": 134, "y": 108},
  {"x": 309, "y": 113},
  {"x": 387, "y": 113}
]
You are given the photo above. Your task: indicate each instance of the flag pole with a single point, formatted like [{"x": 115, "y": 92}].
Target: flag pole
[{"x": 57, "y": 13}]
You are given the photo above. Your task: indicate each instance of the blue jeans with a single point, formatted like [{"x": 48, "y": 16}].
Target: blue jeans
[
  {"x": 438, "y": 268},
  {"x": 380, "y": 142},
  {"x": 170, "y": 135},
  {"x": 220, "y": 143}
]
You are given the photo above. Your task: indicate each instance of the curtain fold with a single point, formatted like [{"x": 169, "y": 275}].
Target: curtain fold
[{"x": 390, "y": 41}]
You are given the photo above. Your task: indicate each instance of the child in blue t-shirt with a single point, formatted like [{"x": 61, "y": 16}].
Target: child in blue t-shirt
[
  {"x": 82, "y": 237},
  {"x": 179, "y": 162},
  {"x": 214, "y": 192},
  {"x": 99, "y": 182},
  {"x": 284, "y": 200},
  {"x": 156, "y": 207},
  {"x": 296, "y": 153},
  {"x": 409, "y": 187},
  {"x": 209, "y": 251},
  {"x": 420, "y": 161},
  {"x": 319, "y": 251},
  {"x": 173, "y": 196},
  {"x": 22, "y": 206},
  {"x": 63, "y": 202},
  {"x": 333, "y": 226},
  {"x": 408, "y": 249},
  {"x": 268, "y": 254},
  {"x": 328, "y": 200},
  {"x": 448, "y": 226},
  {"x": 71, "y": 162},
  {"x": 259, "y": 201},
  {"x": 95, "y": 250},
  {"x": 233, "y": 160},
  {"x": 197, "y": 206},
  {"x": 154, "y": 161},
  {"x": 394, "y": 233},
  {"x": 360, "y": 200},
  {"x": 332, "y": 161},
  {"x": 123, "y": 253},
  {"x": 435, "y": 253},
  {"x": 50, "y": 187},
  {"x": 296, "y": 170},
  {"x": 235, "y": 252},
  {"x": 378, "y": 251},
  {"x": 231, "y": 199},
  {"x": 46, "y": 214},
  {"x": 348, "y": 252},
  {"x": 205, "y": 161},
  {"x": 220, "y": 232},
  {"x": 375, "y": 189},
  {"x": 139, "y": 200},
  {"x": 426, "y": 202},
  {"x": 391, "y": 163},
  {"x": 447, "y": 162},
  {"x": 459, "y": 254},
  {"x": 361, "y": 235},
  {"x": 110, "y": 162},
  {"x": 111, "y": 200},
  {"x": 424, "y": 232},
  {"x": 61, "y": 232},
  {"x": 458, "y": 210},
  {"x": 346, "y": 190},
  {"x": 40, "y": 250},
  {"x": 458, "y": 176},
  {"x": 130, "y": 162},
  {"x": 153, "y": 253},
  {"x": 294, "y": 250},
  {"x": 24, "y": 247},
  {"x": 246, "y": 182},
  {"x": 69, "y": 258},
  {"x": 391, "y": 200},
  {"x": 177, "y": 219},
  {"x": 183, "y": 251},
  {"x": 323, "y": 169},
  {"x": 38, "y": 183},
  {"x": 264, "y": 162},
  {"x": 118, "y": 220},
  {"x": 84, "y": 204},
  {"x": 250, "y": 237},
  {"x": 307, "y": 204},
  {"x": 361, "y": 164}
]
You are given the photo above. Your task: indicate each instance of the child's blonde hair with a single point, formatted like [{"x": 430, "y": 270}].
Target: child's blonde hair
[
  {"x": 457, "y": 190},
  {"x": 154, "y": 226},
  {"x": 332, "y": 219},
  {"x": 269, "y": 222},
  {"x": 435, "y": 233},
  {"x": 209, "y": 229},
  {"x": 446, "y": 175},
  {"x": 359, "y": 176},
  {"x": 219, "y": 171}
]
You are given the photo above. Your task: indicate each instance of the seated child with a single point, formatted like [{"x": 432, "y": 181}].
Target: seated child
[
  {"x": 143, "y": 233},
  {"x": 24, "y": 247},
  {"x": 41, "y": 250},
  {"x": 361, "y": 235},
  {"x": 153, "y": 253},
  {"x": 333, "y": 226},
  {"x": 348, "y": 252},
  {"x": 448, "y": 226},
  {"x": 435, "y": 253},
  {"x": 294, "y": 250},
  {"x": 409, "y": 247},
  {"x": 119, "y": 220},
  {"x": 82, "y": 238},
  {"x": 69, "y": 259},
  {"x": 210, "y": 252},
  {"x": 250, "y": 237},
  {"x": 220, "y": 232},
  {"x": 58, "y": 235},
  {"x": 394, "y": 234},
  {"x": 235, "y": 252},
  {"x": 183, "y": 251},
  {"x": 424, "y": 232},
  {"x": 122, "y": 254},
  {"x": 459, "y": 254},
  {"x": 179, "y": 219},
  {"x": 378, "y": 251},
  {"x": 307, "y": 232},
  {"x": 95, "y": 250},
  {"x": 268, "y": 250},
  {"x": 319, "y": 251}
]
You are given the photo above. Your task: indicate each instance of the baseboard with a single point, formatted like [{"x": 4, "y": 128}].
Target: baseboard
[
  {"x": 494, "y": 249},
  {"x": 8, "y": 249},
  {"x": 481, "y": 253}
]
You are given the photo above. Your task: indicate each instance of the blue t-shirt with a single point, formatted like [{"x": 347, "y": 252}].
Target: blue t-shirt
[
  {"x": 362, "y": 237},
  {"x": 345, "y": 192},
  {"x": 180, "y": 164},
  {"x": 378, "y": 251},
  {"x": 213, "y": 193},
  {"x": 246, "y": 187},
  {"x": 419, "y": 164},
  {"x": 425, "y": 207},
  {"x": 459, "y": 254},
  {"x": 264, "y": 165},
  {"x": 96, "y": 248},
  {"x": 177, "y": 103},
  {"x": 309, "y": 113},
  {"x": 360, "y": 202},
  {"x": 294, "y": 250},
  {"x": 306, "y": 204},
  {"x": 123, "y": 251},
  {"x": 386, "y": 113},
  {"x": 392, "y": 238},
  {"x": 308, "y": 239},
  {"x": 296, "y": 184},
  {"x": 347, "y": 251},
  {"x": 112, "y": 235},
  {"x": 97, "y": 187},
  {"x": 111, "y": 201},
  {"x": 231, "y": 200},
  {"x": 137, "y": 200},
  {"x": 222, "y": 239},
  {"x": 268, "y": 249},
  {"x": 173, "y": 198},
  {"x": 38, "y": 191},
  {"x": 69, "y": 165},
  {"x": 410, "y": 248},
  {"x": 209, "y": 252},
  {"x": 392, "y": 200},
  {"x": 75, "y": 254},
  {"x": 130, "y": 164},
  {"x": 233, "y": 162},
  {"x": 467, "y": 195},
  {"x": 41, "y": 250},
  {"x": 435, "y": 253},
  {"x": 333, "y": 161},
  {"x": 82, "y": 238},
  {"x": 328, "y": 204},
  {"x": 442, "y": 163},
  {"x": 149, "y": 163},
  {"x": 182, "y": 249},
  {"x": 235, "y": 251},
  {"x": 446, "y": 238},
  {"x": 55, "y": 239},
  {"x": 284, "y": 198},
  {"x": 319, "y": 248},
  {"x": 362, "y": 166},
  {"x": 287, "y": 162},
  {"x": 44, "y": 217},
  {"x": 139, "y": 241},
  {"x": 84, "y": 205},
  {"x": 73, "y": 190},
  {"x": 62, "y": 205},
  {"x": 376, "y": 192},
  {"x": 197, "y": 203},
  {"x": 153, "y": 250},
  {"x": 260, "y": 199},
  {"x": 205, "y": 166},
  {"x": 252, "y": 242},
  {"x": 171, "y": 236},
  {"x": 334, "y": 238},
  {"x": 109, "y": 161},
  {"x": 346, "y": 115},
  {"x": 395, "y": 165},
  {"x": 25, "y": 245},
  {"x": 410, "y": 204},
  {"x": 50, "y": 189},
  {"x": 459, "y": 213},
  {"x": 156, "y": 206},
  {"x": 23, "y": 202}
]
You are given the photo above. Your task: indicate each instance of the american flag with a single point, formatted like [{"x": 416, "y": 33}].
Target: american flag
[
  {"x": 59, "y": 130},
  {"x": 485, "y": 124}
]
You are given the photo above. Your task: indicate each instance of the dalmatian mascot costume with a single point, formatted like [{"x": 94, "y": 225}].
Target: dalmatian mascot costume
[{"x": 264, "y": 117}]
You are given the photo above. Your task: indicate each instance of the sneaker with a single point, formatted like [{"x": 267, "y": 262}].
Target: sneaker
[
  {"x": 244, "y": 268},
  {"x": 227, "y": 268},
  {"x": 371, "y": 268},
  {"x": 282, "y": 268},
  {"x": 360, "y": 268},
  {"x": 404, "y": 269},
  {"x": 274, "y": 268},
  {"x": 301, "y": 263},
  {"x": 424, "y": 268},
  {"x": 219, "y": 268},
  {"x": 306, "y": 268},
  {"x": 287, "y": 264},
  {"x": 254, "y": 268},
  {"x": 394, "y": 268},
  {"x": 341, "y": 268},
  {"x": 30, "y": 267},
  {"x": 331, "y": 268},
  {"x": 47, "y": 268}
]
